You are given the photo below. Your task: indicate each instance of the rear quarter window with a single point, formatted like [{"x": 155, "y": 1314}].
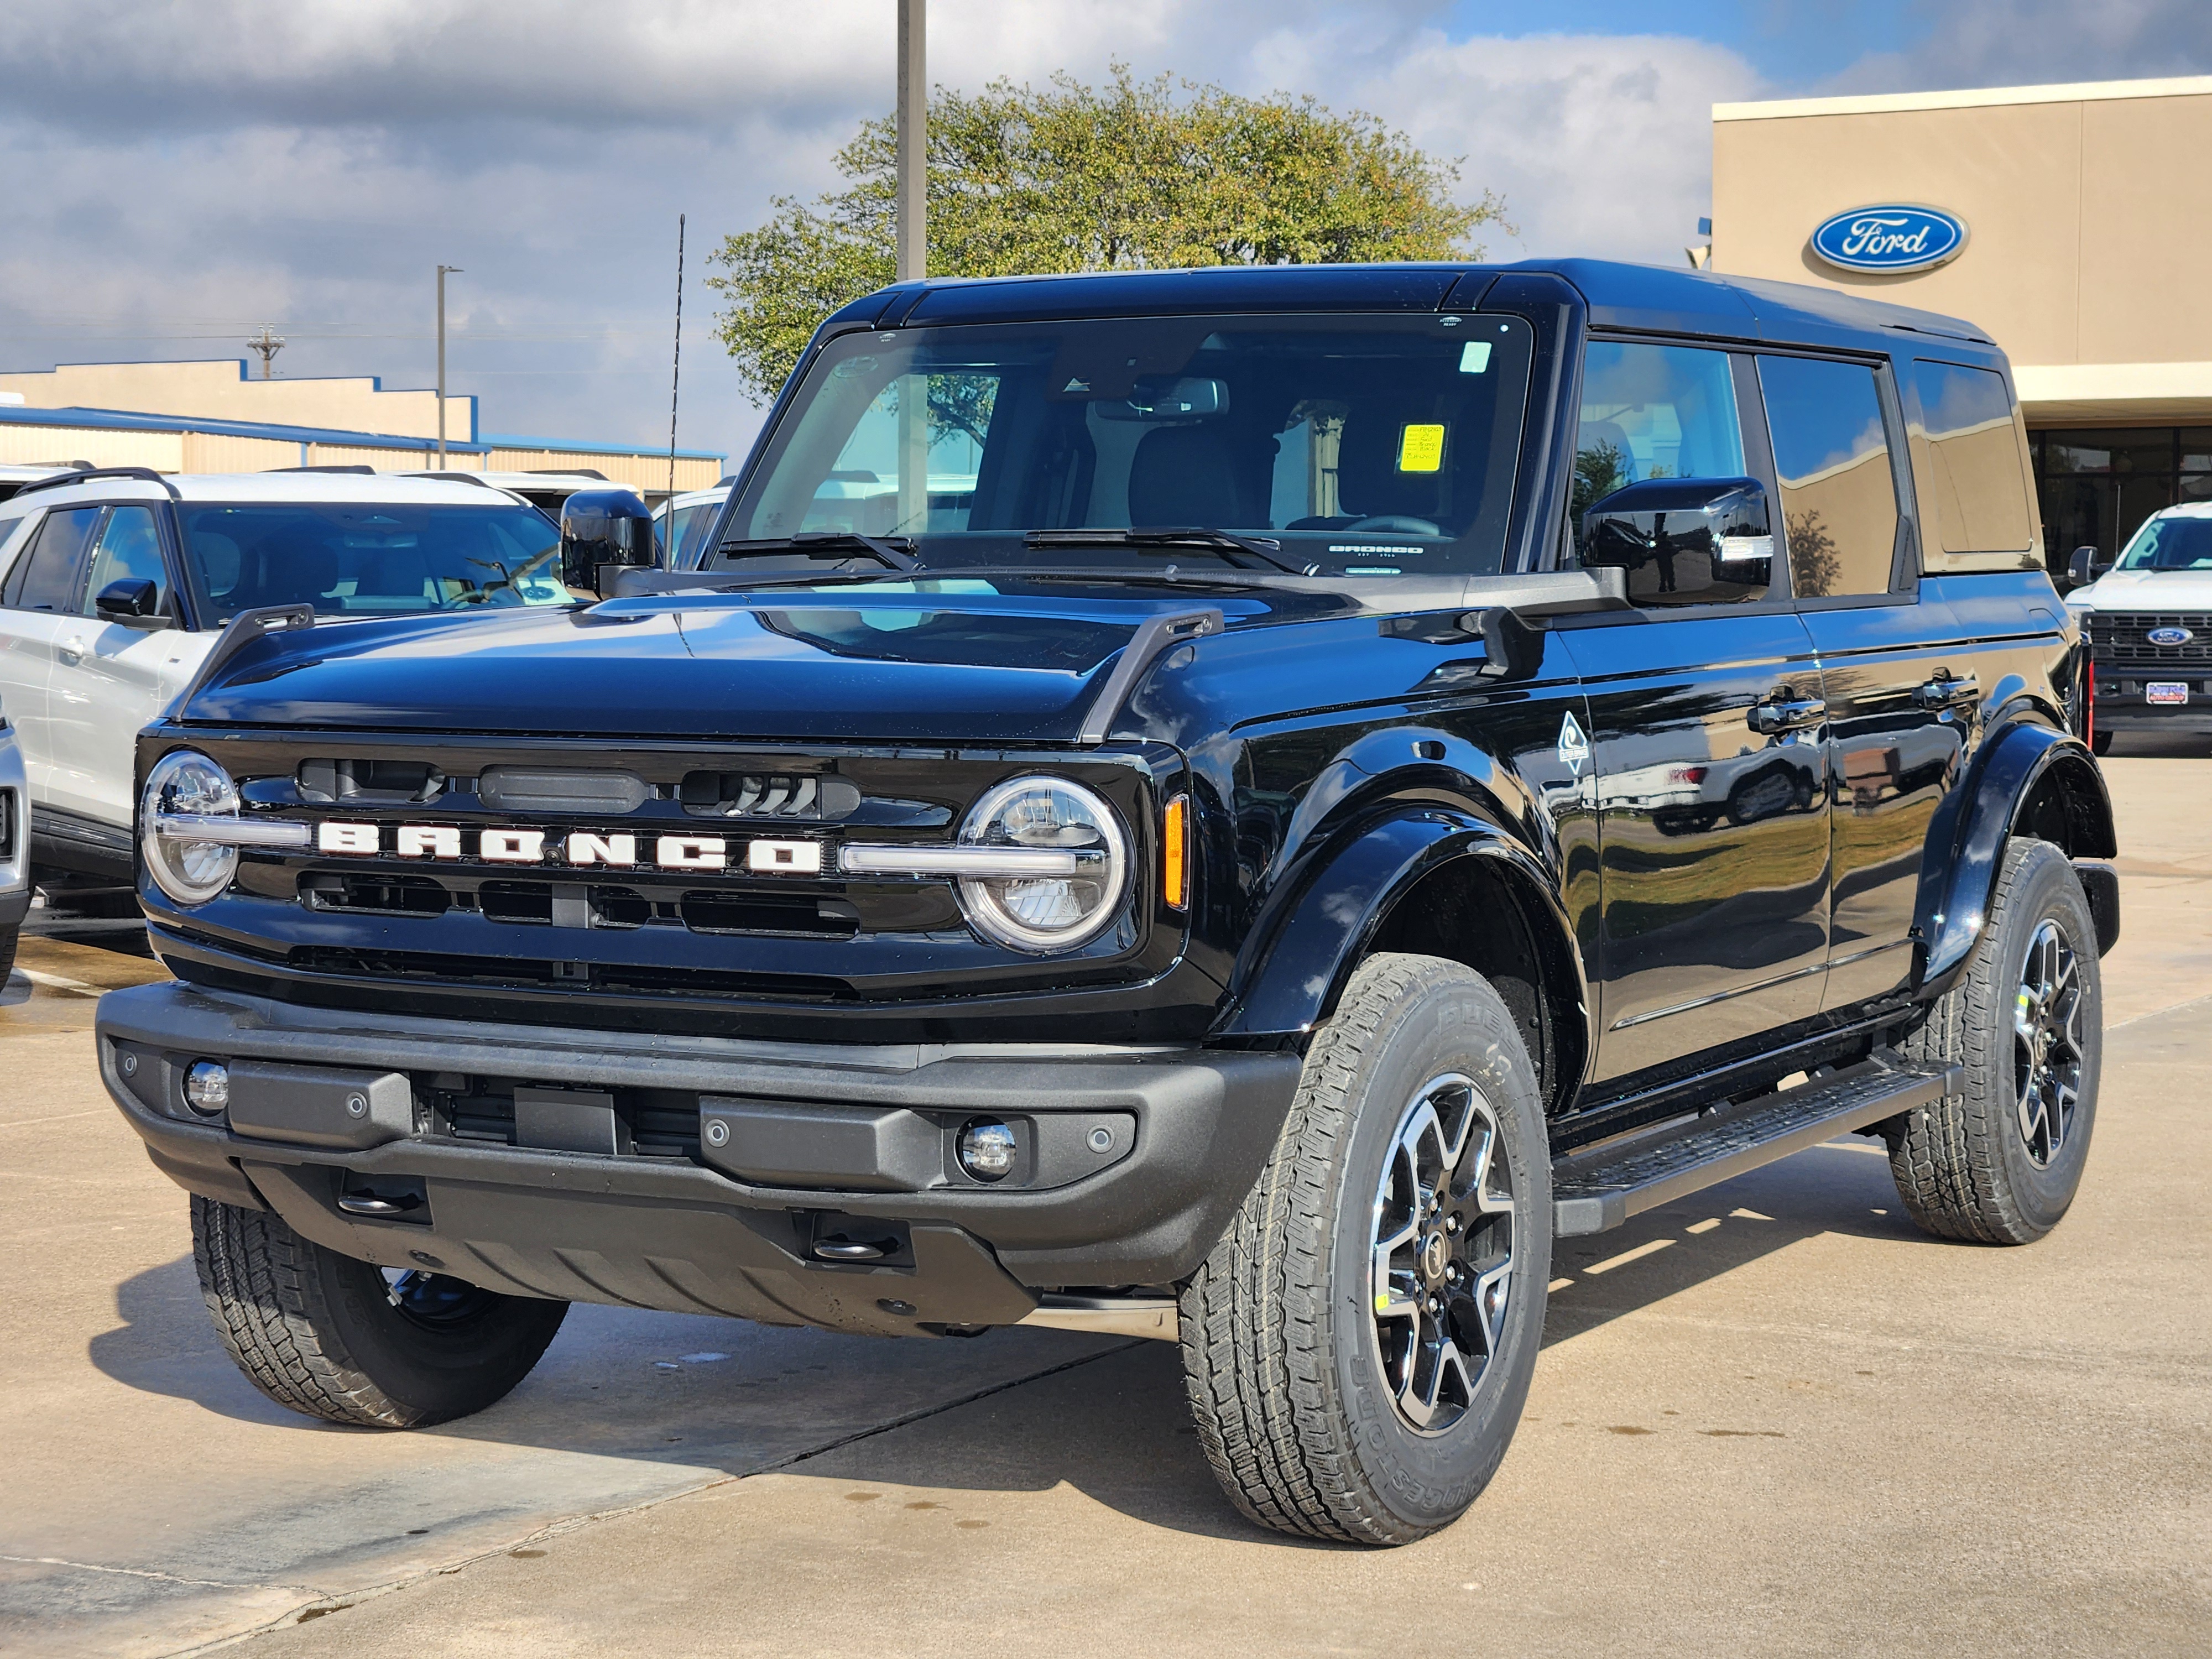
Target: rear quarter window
[{"x": 1967, "y": 457}]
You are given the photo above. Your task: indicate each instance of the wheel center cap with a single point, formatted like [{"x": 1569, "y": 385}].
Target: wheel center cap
[{"x": 1436, "y": 1255}]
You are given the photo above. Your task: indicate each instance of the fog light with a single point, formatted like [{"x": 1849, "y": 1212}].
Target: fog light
[
  {"x": 207, "y": 1088},
  {"x": 986, "y": 1150}
]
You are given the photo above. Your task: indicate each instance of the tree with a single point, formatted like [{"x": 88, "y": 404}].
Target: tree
[{"x": 1134, "y": 175}]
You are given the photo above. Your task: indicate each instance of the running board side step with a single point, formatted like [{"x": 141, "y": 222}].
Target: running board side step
[{"x": 1597, "y": 1191}]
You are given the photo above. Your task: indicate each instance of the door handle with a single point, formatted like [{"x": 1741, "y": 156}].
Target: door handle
[
  {"x": 1944, "y": 692},
  {"x": 1784, "y": 712},
  {"x": 72, "y": 648}
]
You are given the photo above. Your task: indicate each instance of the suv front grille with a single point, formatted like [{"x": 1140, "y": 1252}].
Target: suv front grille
[
  {"x": 544, "y": 904},
  {"x": 523, "y": 973}
]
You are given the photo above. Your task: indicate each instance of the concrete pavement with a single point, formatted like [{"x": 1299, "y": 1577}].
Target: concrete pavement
[{"x": 1773, "y": 1417}]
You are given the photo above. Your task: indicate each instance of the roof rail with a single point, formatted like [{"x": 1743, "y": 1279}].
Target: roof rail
[
  {"x": 460, "y": 478},
  {"x": 354, "y": 467},
  {"x": 566, "y": 472},
  {"x": 82, "y": 474}
]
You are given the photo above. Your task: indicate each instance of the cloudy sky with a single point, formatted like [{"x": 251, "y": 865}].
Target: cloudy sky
[{"x": 180, "y": 171}]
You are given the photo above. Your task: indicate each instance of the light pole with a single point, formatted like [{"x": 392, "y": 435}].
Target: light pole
[
  {"x": 442, "y": 270},
  {"x": 912, "y": 141},
  {"x": 913, "y": 252}
]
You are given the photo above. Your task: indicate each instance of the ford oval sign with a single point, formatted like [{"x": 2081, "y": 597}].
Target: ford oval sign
[
  {"x": 2169, "y": 637},
  {"x": 1890, "y": 241}
]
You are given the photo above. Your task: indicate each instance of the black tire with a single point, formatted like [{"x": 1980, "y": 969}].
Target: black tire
[
  {"x": 1282, "y": 1344},
  {"x": 8, "y": 937},
  {"x": 1992, "y": 1165},
  {"x": 2100, "y": 743},
  {"x": 322, "y": 1333}
]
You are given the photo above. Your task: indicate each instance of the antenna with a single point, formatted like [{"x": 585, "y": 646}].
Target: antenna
[
  {"x": 268, "y": 344},
  {"x": 676, "y": 373}
]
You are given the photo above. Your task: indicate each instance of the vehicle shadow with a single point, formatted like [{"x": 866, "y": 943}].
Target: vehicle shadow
[{"x": 1013, "y": 1411}]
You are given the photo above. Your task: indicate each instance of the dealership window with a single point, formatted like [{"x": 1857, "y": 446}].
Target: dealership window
[{"x": 2096, "y": 486}]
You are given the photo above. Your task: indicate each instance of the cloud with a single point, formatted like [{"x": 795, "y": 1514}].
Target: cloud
[
  {"x": 182, "y": 172},
  {"x": 1993, "y": 43}
]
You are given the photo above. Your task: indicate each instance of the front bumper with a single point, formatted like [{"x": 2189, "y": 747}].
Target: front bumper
[
  {"x": 2123, "y": 703},
  {"x": 654, "y": 1223}
]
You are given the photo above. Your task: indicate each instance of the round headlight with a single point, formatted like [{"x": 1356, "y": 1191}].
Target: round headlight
[
  {"x": 186, "y": 785},
  {"x": 1046, "y": 912}
]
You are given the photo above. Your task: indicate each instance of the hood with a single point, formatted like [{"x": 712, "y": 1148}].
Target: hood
[
  {"x": 929, "y": 667},
  {"x": 2146, "y": 590}
]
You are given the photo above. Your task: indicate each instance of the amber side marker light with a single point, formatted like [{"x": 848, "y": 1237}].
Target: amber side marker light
[{"x": 1174, "y": 853}]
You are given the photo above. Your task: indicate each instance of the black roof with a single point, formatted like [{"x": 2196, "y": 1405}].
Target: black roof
[{"x": 1656, "y": 298}]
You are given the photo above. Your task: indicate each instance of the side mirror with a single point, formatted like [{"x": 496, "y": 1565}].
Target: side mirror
[
  {"x": 1684, "y": 541},
  {"x": 2085, "y": 566},
  {"x": 604, "y": 531},
  {"x": 129, "y": 600}
]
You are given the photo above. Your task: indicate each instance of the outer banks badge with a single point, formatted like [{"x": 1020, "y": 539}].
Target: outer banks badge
[{"x": 1574, "y": 746}]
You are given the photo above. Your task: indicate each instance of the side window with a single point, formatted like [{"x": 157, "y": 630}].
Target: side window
[
  {"x": 1832, "y": 459},
  {"x": 47, "y": 577},
  {"x": 1660, "y": 424},
  {"x": 129, "y": 546},
  {"x": 1979, "y": 496}
]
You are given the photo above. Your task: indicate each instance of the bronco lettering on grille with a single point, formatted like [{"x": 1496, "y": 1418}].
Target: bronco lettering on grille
[{"x": 579, "y": 849}]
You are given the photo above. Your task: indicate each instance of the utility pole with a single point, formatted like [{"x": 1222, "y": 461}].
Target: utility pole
[
  {"x": 913, "y": 140},
  {"x": 913, "y": 254},
  {"x": 268, "y": 345},
  {"x": 442, "y": 270}
]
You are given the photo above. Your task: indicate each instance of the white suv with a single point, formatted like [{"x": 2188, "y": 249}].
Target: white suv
[{"x": 114, "y": 584}]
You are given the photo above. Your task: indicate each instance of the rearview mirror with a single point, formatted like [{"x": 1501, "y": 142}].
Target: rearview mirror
[
  {"x": 1684, "y": 541},
  {"x": 131, "y": 600},
  {"x": 603, "y": 531},
  {"x": 2085, "y": 566}
]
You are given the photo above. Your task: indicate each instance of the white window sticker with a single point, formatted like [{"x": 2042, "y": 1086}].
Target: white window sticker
[
  {"x": 602, "y": 849},
  {"x": 348, "y": 838},
  {"x": 689, "y": 853},
  {"x": 432, "y": 840},
  {"x": 1474, "y": 357},
  {"x": 785, "y": 857},
  {"x": 511, "y": 846}
]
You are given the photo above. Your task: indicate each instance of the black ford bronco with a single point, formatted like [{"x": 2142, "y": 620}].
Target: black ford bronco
[{"x": 1233, "y": 807}]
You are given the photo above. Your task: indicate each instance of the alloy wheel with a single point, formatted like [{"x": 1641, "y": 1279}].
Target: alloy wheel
[
  {"x": 1442, "y": 1260},
  {"x": 2047, "y": 1042}
]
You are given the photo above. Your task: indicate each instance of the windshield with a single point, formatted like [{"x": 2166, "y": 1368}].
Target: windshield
[
  {"x": 2177, "y": 543},
  {"x": 1356, "y": 445},
  {"x": 372, "y": 559}
]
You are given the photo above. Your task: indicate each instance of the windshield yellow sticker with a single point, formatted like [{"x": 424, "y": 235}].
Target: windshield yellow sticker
[{"x": 1421, "y": 449}]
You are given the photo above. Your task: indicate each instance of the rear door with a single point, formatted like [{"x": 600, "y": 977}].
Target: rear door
[
  {"x": 1900, "y": 689},
  {"x": 110, "y": 680},
  {"x": 35, "y": 602},
  {"x": 1705, "y": 710}
]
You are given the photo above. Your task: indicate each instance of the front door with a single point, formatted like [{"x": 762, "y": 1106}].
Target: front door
[
  {"x": 110, "y": 680},
  {"x": 1709, "y": 775}
]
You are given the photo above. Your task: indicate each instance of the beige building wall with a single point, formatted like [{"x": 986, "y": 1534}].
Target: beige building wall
[
  {"x": 642, "y": 471},
  {"x": 218, "y": 391},
  {"x": 2088, "y": 210}
]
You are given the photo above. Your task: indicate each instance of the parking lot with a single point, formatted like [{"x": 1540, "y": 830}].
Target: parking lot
[{"x": 1773, "y": 1417}]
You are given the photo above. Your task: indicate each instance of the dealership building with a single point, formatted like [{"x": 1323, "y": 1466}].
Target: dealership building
[{"x": 2073, "y": 224}]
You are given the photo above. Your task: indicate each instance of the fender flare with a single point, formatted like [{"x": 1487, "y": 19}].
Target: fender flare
[
  {"x": 1314, "y": 929},
  {"x": 1966, "y": 839}
]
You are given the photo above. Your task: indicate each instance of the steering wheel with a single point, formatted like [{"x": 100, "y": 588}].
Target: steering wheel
[{"x": 1395, "y": 523}]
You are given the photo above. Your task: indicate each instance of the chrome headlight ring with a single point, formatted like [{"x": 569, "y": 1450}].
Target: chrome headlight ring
[
  {"x": 185, "y": 785},
  {"x": 1045, "y": 913}
]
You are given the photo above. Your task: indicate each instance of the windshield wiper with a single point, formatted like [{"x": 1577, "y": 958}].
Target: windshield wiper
[
  {"x": 827, "y": 543},
  {"x": 1227, "y": 544}
]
